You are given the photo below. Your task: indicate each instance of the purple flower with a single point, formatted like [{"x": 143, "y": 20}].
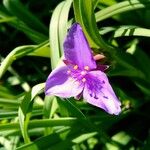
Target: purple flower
[{"x": 79, "y": 75}]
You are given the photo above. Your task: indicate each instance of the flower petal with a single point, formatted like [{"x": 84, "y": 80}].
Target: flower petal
[
  {"x": 60, "y": 84},
  {"x": 99, "y": 92},
  {"x": 76, "y": 48}
]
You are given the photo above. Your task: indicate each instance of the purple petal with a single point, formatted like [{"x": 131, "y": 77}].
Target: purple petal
[
  {"x": 76, "y": 48},
  {"x": 99, "y": 92},
  {"x": 60, "y": 84}
]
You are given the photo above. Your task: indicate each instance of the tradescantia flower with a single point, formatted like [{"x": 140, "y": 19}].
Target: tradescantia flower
[{"x": 80, "y": 76}]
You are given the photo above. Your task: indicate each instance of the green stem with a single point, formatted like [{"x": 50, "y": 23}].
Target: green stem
[{"x": 25, "y": 129}]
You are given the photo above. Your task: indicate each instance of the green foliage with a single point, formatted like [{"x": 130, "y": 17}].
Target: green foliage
[{"x": 31, "y": 39}]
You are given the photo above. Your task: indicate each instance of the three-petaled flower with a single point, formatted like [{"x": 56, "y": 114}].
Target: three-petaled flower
[{"x": 79, "y": 75}]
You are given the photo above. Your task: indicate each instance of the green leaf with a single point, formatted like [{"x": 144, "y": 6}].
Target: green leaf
[
  {"x": 63, "y": 23},
  {"x": 58, "y": 30},
  {"x": 95, "y": 3},
  {"x": 24, "y": 116},
  {"x": 42, "y": 51},
  {"x": 19, "y": 52},
  {"x": 40, "y": 123},
  {"x": 33, "y": 34},
  {"x": 44, "y": 142},
  {"x": 7, "y": 19},
  {"x": 8, "y": 114},
  {"x": 11, "y": 57},
  {"x": 84, "y": 14},
  {"x": 9, "y": 102},
  {"x": 16, "y": 8},
  {"x": 139, "y": 56},
  {"x": 54, "y": 35},
  {"x": 143, "y": 86},
  {"x": 131, "y": 31},
  {"x": 25, "y": 110},
  {"x": 82, "y": 9},
  {"x": 50, "y": 106},
  {"x": 6, "y": 93},
  {"x": 5, "y": 142},
  {"x": 120, "y": 8},
  {"x": 84, "y": 137},
  {"x": 107, "y": 3},
  {"x": 69, "y": 108}
]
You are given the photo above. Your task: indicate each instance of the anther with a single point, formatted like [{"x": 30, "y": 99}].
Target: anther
[
  {"x": 83, "y": 73},
  {"x": 75, "y": 67},
  {"x": 68, "y": 71},
  {"x": 86, "y": 68},
  {"x": 83, "y": 80}
]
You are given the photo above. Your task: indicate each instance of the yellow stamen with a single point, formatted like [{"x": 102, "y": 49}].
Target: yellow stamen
[
  {"x": 75, "y": 67},
  {"x": 83, "y": 80},
  {"x": 86, "y": 68}
]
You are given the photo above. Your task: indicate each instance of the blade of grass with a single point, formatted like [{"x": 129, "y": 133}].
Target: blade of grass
[
  {"x": 89, "y": 16},
  {"x": 8, "y": 114},
  {"x": 44, "y": 142},
  {"x": 16, "y": 7},
  {"x": 18, "y": 53},
  {"x": 25, "y": 110},
  {"x": 8, "y": 19},
  {"x": 34, "y": 35},
  {"x": 69, "y": 121},
  {"x": 131, "y": 31},
  {"x": 54, "y": 35},
  {"x": 63, "y": 23},
  {"x": 50, "y": 108},
  {"x": 9, "y": 102},
  {"x": 120, "y": 8}
]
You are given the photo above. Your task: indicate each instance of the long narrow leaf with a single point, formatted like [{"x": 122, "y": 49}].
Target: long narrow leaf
[
  {"x": 63, "y": 23},
  {"x": 25, "y": 110},
  {"x": 54, "y": 36},
  {"x": 17, "y": 53},
  {"x": 16, "y": 7},
  {"x": 120, "y": 8}
]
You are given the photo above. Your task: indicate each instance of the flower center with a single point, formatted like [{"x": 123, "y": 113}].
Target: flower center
[
  {"x": 83, "y": 79},
  {"x": 78, "y": 74},
  {"x": 68, "y": 72},
  {"x": 83, "y": 73},
  {"x": 75, "y": 67},
  {"x": 87, "y": 68}
]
